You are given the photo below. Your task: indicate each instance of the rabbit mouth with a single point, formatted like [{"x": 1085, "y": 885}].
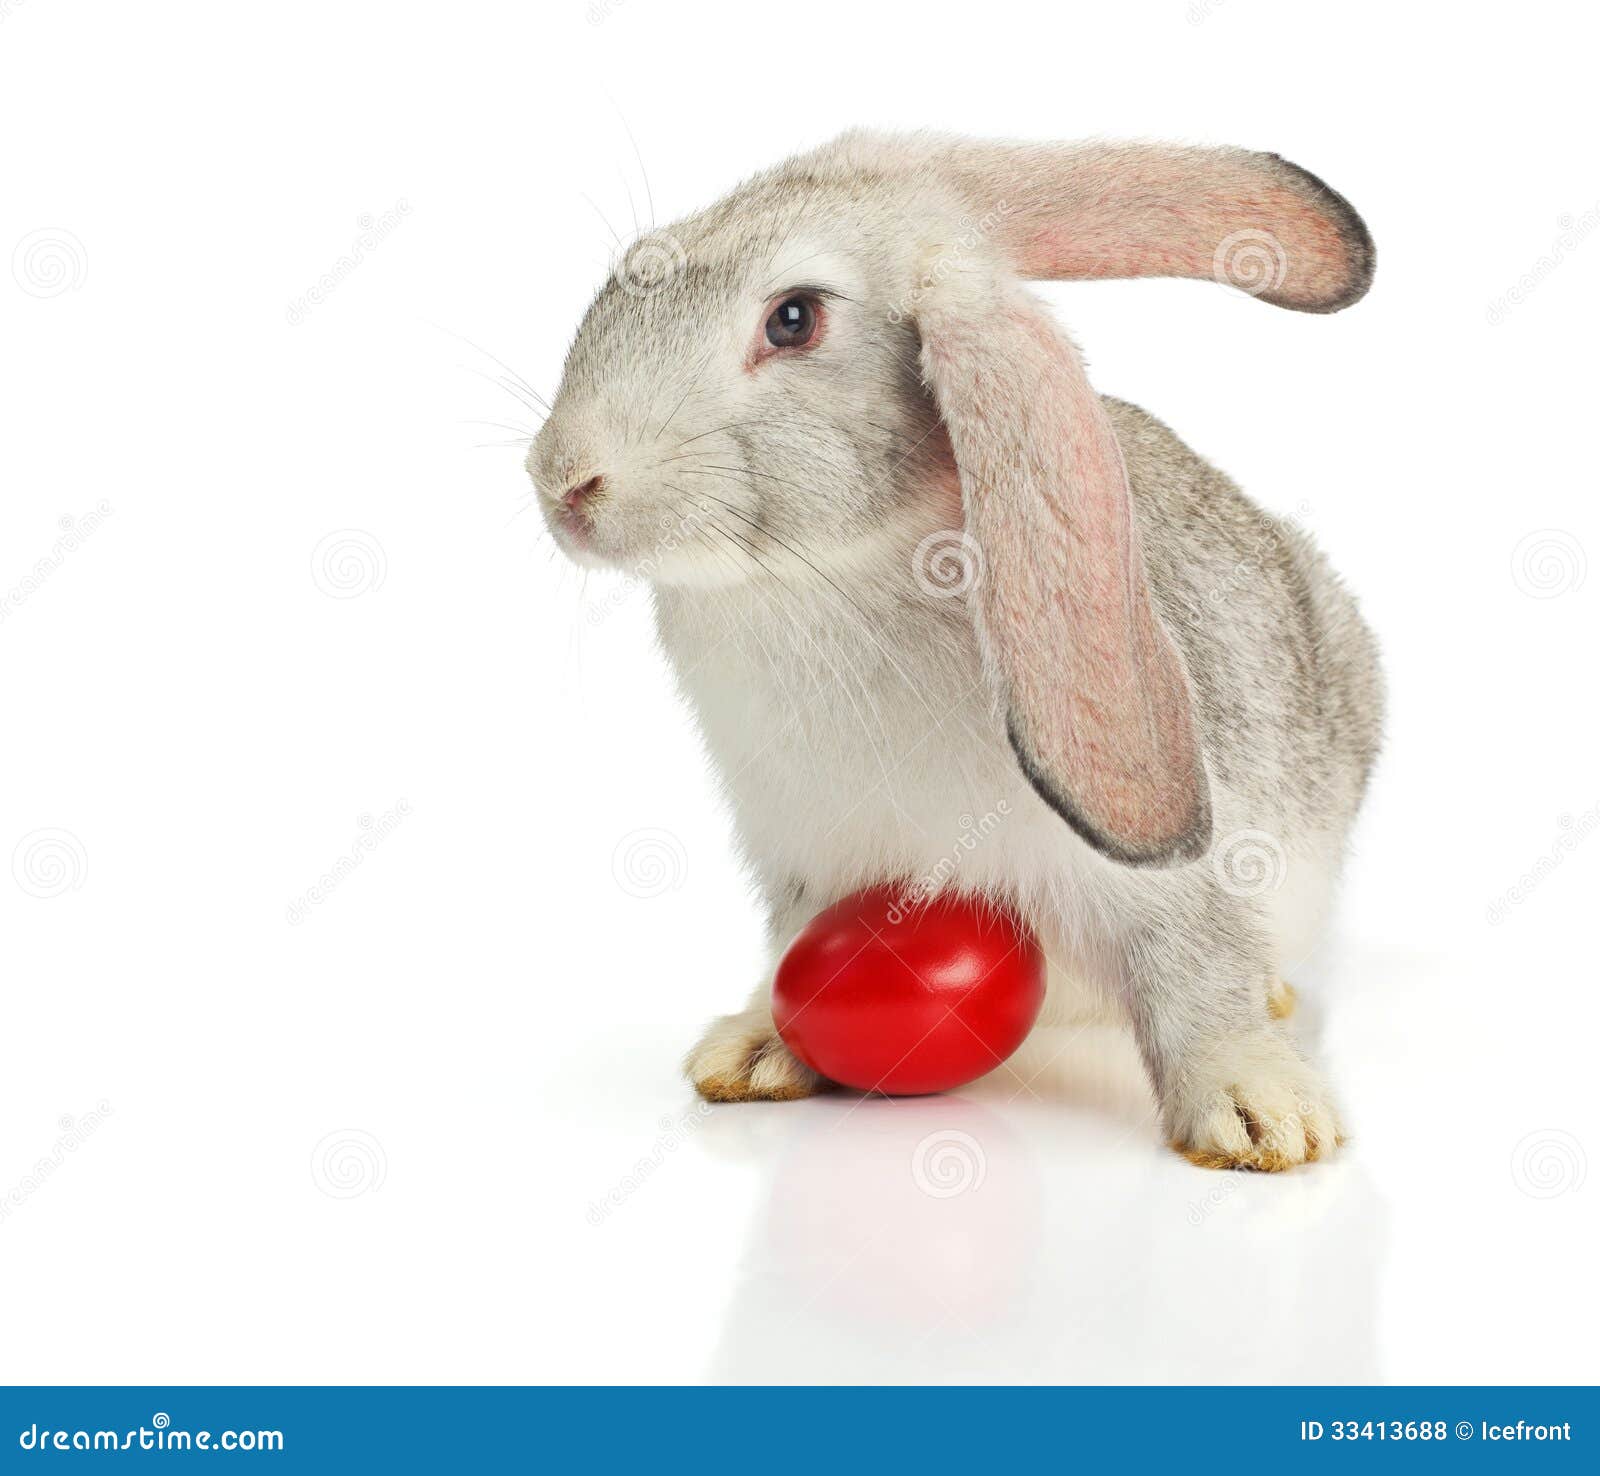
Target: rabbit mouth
[
  {"x": 665, "y": 545},
  {"x": 576, "y": 535},
  {"x": 574, "y": 527}
]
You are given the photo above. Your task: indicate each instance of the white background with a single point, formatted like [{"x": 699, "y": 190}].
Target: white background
[{"x": 365, "y": 1146}]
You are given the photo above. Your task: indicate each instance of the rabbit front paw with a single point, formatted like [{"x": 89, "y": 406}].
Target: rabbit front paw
[
  {"x": 1251, "y": 1103},
  {"x": 741, "y": 1059}
]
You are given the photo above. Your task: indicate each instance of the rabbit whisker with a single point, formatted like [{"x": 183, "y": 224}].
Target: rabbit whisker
[
  {"x": 603, "y": 221},
  {"x": 522, "y": 383},
  {"x": 843, "y": 685},
  {"x": 522, "y": 397},
  {"x": 694, "y": 384}
]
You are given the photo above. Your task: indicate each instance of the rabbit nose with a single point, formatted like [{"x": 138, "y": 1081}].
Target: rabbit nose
[{"x": 574, "y": 498}]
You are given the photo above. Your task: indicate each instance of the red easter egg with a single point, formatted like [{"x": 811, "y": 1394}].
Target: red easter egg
[{"x": 889, "y": 995}]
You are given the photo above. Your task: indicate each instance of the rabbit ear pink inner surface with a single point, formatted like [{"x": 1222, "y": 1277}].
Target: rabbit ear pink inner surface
[
  {"x": 1250, "y": 221},
  {"x": 1098, "y": 701}
]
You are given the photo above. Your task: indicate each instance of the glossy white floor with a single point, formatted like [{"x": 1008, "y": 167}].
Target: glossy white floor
[
  {"x": 425, "y": 1198},
  {"x": 1033, "y": 1228}
]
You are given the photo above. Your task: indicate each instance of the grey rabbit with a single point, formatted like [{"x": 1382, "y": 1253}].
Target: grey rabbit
[{"x": 911, "y": 570}]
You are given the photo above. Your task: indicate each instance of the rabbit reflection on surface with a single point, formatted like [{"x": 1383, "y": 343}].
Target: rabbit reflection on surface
[
  {"x": 1008, "y": 1236},
  {"x": 910, "y": 568}
]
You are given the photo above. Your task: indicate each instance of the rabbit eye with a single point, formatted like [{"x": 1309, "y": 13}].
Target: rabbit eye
[{"x": 793, "y": 323}]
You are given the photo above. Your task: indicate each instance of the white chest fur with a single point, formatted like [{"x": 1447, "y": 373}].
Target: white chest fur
[{"x": 858, "y": 744}]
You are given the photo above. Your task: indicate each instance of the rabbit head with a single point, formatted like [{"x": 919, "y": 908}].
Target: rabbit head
[
  {"x": 741, "y": 376},
  {"x": 843, "y": 348}
]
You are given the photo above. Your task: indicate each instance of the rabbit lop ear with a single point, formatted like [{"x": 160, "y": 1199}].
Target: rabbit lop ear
[
  {"x": 1098, "y": 704},
  {"x": 1247, "y": 220},
  {"x": 1079, "y": 211}
]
